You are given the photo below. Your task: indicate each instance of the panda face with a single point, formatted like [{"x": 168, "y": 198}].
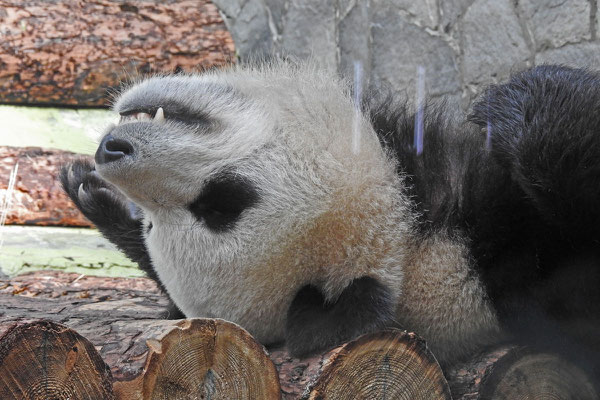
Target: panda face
[
  {"x": 177, "y": 135},
  {"x": 255, "y": 186}
]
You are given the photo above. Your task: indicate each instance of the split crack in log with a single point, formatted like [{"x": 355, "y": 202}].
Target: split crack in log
[
  {"x": 390, "y": 364},
  {"x": 221, "y": 355}
]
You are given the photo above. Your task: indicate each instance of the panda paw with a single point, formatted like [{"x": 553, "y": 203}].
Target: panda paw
[
  {"x": 97, "y": 199},
  {"x": 314, "y": 324}
]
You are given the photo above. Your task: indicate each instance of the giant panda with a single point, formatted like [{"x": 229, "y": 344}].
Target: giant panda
[{"x": 265, "y": 195}]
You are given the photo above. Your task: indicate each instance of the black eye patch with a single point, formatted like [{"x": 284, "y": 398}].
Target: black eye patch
[{"x": 222, "y": 201}]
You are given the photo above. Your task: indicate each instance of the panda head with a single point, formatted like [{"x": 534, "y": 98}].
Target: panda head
[{"x": 256, "y": 181}]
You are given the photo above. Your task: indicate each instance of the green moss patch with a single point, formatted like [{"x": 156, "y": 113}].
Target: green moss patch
[{"x": 83, "y": 251}]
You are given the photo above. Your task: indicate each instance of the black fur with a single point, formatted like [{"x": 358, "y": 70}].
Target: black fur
[
  {"x": 108, "y": 209},
  {"x": 545, "y": 132},
  {"x": 223, "y": 200},
  {"x": 522, "y": 185},
  {"x": 314, "y": 324}
]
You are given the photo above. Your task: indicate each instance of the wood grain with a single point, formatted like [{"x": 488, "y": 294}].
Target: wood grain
[{"x": 45, "y": 360}]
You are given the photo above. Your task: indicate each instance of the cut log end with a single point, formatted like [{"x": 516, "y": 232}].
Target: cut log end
[
  {"x": 525, "y": 374},
  {"x": 389, "y": 364},
  {"x": 46, "y": 360},
  {"x": 198, "y": 359}
]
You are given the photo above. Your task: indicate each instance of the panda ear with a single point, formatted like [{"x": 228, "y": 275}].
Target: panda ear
[{"x": 313, "y": 324}]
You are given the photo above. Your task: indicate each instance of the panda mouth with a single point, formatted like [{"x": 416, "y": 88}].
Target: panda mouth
[
  {"x": 171, "y": 112},
  {"x": 142, "y": 116}
]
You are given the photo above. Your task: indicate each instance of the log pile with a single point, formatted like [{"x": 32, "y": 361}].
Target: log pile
[
  {"x": 74, "y": 52},
  {"x": 81, "y": 337}
]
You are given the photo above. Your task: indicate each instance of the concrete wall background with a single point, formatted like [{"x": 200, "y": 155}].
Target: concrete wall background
[{"x": 462, "y": 44}]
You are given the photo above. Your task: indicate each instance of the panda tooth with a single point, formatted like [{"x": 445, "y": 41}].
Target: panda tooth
[
  {"x": 160, "y": 115},
  {"x": 142, "y": 116}
]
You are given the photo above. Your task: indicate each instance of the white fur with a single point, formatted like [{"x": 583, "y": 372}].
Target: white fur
[{"x": 326, "y": 213}]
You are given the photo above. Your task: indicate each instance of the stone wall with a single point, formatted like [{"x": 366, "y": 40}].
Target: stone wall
[{"x": 461, "y": 44}]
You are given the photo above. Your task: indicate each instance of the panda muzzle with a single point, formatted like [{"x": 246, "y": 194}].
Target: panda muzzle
[{"x": 112, "y": 149}]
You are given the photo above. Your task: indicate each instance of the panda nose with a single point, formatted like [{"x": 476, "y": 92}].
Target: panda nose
[{"x": 112, "y": 149}]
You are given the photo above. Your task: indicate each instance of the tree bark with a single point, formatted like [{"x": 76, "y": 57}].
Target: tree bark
[
  {"x": 37, "y": 197},
  {"x": 74, "y": 52}
]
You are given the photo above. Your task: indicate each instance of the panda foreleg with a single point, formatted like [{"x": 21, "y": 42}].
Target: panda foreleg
[
  {"x": 109, "y": 210},
  {"x": 314, "y": 324}
]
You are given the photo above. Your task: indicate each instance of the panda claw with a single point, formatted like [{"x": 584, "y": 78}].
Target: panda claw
[
  {"x": 81, "y": 193},
  {"x": 71, "y": 174}
]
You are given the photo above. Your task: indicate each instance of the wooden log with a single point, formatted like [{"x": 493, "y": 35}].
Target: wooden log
[
  {"x": 465, "y": 378},
  {"x": 202, "y": 358},
  {"x": 37, "y": 198},
  {"x": 388, "y": 364},
  {"x": 152, "y": 357},
  {"x": 113, "y": 313},
  {"x": 75, "y": 288},
  {"x": 72, "y": 52},
  {"x": 517, "y": 372},
  {"x": 45, "y": 360},
  {"x": 149, "y": 357},
  {"x": 78, "y": 250}
]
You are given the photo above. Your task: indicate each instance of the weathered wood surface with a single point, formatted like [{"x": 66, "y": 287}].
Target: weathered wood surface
[
  {"x": 37, "y": 198},
  {"x": 466, "y": 378},
  {"x": 77, "y": 130},
  {"x": 72, "y": 52},
  {"x": 202, "y": 359},
  {"x": 389, "y": 364},
  {"x": 149, "y": 356},
  {"x": 66, "y": 249},
  {"x": 121, "y": 317},
  {"x": 41, "y": 360},
  {"x": 110, "y": 312}
]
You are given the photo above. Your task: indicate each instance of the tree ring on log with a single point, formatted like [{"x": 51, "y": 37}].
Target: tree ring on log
[
  {"x": 390, "y": 364},
  {"x": 526, "y": 374},
  {"x": 208, "y": 358},
  {"x": 47, "y": 360}
]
